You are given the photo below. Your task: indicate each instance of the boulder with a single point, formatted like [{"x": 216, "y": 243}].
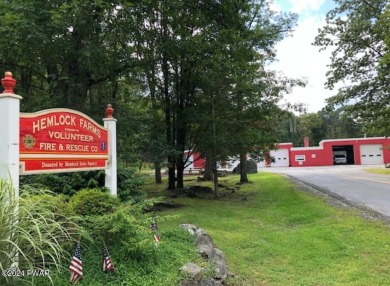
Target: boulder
[
  {"x": 193, "y": 271},
  {"x": 206, "y": 251},
  {"x": 220, "y": 267},
  {"x": 251, "y": 167},
  {"x": 189, "y": 282},
  {"x": 210, "y": 282}
]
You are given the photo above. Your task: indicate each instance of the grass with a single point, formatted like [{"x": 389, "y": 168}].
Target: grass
[
  {"x": 271, "y": 232},
  {"x": 150, "y": 266},
  {"x": 379, "y": 171},
  {"x": 274, "y": 234}
]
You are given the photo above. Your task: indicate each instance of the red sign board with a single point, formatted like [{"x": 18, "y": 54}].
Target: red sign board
[{"x": 61, "y": 140}]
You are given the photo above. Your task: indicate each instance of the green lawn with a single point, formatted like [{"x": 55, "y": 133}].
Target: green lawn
[
  {"x": 379, "y": 171},
  {"x": 274, "y": 234},
  {"x": 271, "y": 232}
]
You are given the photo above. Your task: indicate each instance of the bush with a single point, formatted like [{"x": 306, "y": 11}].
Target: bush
[
  {"x": 93, "y": 202},
  {"x": 129, "y": 183},
  {"x": 33, "y": 230},
  {"x": 105, "y": 217},
  {"x": 66, "y": 183}
]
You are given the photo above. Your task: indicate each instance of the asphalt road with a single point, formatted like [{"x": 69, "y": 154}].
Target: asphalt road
[{"x": 350, "y": 182}]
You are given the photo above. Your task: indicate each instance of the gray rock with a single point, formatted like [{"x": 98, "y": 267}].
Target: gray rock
[
  {"x": 189, "y": 283},
  {"x": 206, "y": 251},
  {"x": 193, "y": 271},
  {"x": 219, "y": 255},
  {"x": 220, "y": 270},
  {"x": 192, "y": 229},
  {"x": 198, "y": 233},
  {"x": 251, "y": 167},
  {"x": 215, "y": 256},
  {"x": 204, "y": 238},
  {"x": 210, "y": 282},
  {"x": 387, "y": 165}
]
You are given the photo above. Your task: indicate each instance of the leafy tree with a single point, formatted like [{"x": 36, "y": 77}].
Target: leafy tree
[
  {"x": 142, "y": 136},
  {"x": 384, "y": 23},
  {"x": 311, "y": 126},
  {"x": 358, "y": 31},
  {"x": 64, "y": 51},
  {"x": 243, "y": 92},
  {"x": 339, "y": 124},
  {"x": 179, "y": 44},
  {"x": 325, "y": 124}
]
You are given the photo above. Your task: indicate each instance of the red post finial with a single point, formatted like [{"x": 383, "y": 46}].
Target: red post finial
[
  {"x": 109, "y": 111},
  {"x": 8, "y": 83}
]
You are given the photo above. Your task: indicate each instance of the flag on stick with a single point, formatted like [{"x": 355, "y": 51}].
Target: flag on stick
[
  {"x": 76, "y": 266},
  {"x": 154, "y": 228},
  {"x": 107, "y": 263}
]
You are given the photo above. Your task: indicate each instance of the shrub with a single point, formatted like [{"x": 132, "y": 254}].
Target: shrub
[
  {"x": 129, "y": 182},
  {"x": 66, "y": 183},
  {"x": 33, "y": 230},
  {"x": 105, "y": 217},
  {"x": 93, "y": 202},
  {"x": 130, "y": 185}
]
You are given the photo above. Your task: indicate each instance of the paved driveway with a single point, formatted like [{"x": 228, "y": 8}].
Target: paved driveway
[{"x": 350, "y": 182}]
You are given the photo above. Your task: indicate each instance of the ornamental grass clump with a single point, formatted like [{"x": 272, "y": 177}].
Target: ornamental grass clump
[{"x": 35, "y": 229}]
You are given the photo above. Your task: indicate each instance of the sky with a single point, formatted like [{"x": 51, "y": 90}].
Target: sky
[{"x": 298, "y": 58}]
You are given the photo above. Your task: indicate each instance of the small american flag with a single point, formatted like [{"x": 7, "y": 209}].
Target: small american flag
[
  {"x": 76, "y": 266},
  {"x": 156, "y": 238},
  {"x": 107, "y": 263},
  {"x": 154, "y": 228}
]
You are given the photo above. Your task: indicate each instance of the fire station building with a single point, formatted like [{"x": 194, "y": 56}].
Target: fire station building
[{"x": 358, "y": 151}]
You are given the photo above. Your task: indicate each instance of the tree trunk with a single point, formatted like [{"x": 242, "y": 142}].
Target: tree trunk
[
  {"x": 168, "y": 127},
  {"x": 171, "y": 174},
  {"x": 208, "y": 167},
  {"x": 157, "y": 173},
  {"x": 215, "y": 178},
  {"x": 180, "y": 174},
  {"x": 243, "y": 174},
  {"x": 214, "y": 149},
  {"x": 155, "y": 136},
  {"x": 180, "y": 142}
]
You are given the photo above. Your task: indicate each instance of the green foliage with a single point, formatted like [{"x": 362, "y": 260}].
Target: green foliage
[
  {"x": 65, "y": 52},
  {"x": 93, "y": 202},
  {"x": 81, "y": 55},
  {"x": 151, "y": 267},
  {"x": 130, "y": 184},
  {"x": 105, "y": 217},
  {"x": 358, "y": 32},
  {"x": 221, "y": 64},
  {"x": 35, "y": 229},
  {"x": 65, "y": 183},
  {"x": 384, "y": 24},
  {"x": 273, "y": 232},
  {"x": 325, "y": 124}
]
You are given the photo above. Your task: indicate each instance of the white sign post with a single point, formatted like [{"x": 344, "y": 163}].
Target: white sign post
[
  {"x": 9, "y": 132},
  {"x": 111, "y": 171}
]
